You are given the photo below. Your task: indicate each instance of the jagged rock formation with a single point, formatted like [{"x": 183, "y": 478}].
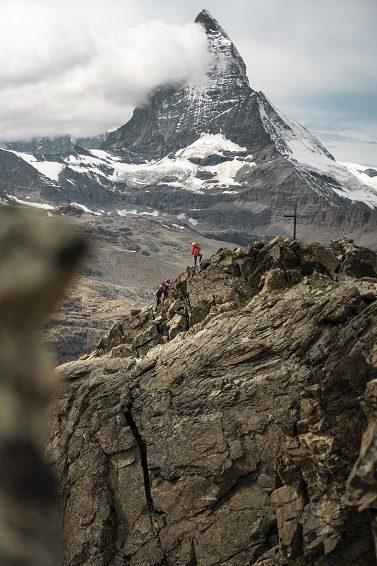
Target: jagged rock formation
[
  {"x": 36, "y": 261},
  {"x": 370, "y": 172},
  {"x": 221, "y": 429}
]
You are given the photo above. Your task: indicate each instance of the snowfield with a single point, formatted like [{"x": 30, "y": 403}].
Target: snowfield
[
  {"x": 183, "y": 171},
  {"x": 209, "y": 144},
  {"x": 358, "y": 171},
  {"x": 50, "y": 169},
  {"x": 31, "y": 204}
]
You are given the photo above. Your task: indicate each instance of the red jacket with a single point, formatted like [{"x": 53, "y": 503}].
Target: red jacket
[{"x": 196, "y": 250}]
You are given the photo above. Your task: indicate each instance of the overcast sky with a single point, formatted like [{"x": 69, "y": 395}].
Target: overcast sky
[{"x": 80, "y": 66}]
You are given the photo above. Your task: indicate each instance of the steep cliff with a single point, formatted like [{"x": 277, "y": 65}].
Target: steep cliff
[{"x": 221, "y": 429}]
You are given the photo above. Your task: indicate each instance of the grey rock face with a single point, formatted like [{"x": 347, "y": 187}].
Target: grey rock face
[
  {"x": 362, "y": 483},
  {"x": 20, "y": 179},
  {"x": 371, "y": 172},
  {"x": 231, "y": 442},
  {"x": 42, "y": 145}
]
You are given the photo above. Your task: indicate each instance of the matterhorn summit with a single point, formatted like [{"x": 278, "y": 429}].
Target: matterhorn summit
[{"x": 175, "y": 117}]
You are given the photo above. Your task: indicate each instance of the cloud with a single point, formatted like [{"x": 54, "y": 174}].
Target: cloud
[
  {"x": 37, "y": 44},
  {"x": 57, "y": 76}
]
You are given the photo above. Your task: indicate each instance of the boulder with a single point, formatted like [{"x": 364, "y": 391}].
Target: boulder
[{"x": 176, "y": 325}]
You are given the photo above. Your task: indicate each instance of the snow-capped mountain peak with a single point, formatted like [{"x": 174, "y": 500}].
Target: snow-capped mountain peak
[{"x": 217, "y": 153}]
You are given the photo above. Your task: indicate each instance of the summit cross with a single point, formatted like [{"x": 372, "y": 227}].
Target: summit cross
[{"x": 294, "y": 216}]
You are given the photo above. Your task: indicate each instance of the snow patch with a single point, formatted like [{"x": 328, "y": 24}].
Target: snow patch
[
  {"x": 124, "y": 212},
  {"x": 155, "y": 213},
  {"x": 173, "y": 184},
  {"x": 358, "y": 171},
  {"x": 50, "y": 169},
  {"x": 85, "y": 208},
  {"x": 104, "y": 155},
  {"x": 32, "y": 204},
  {"x": 209, "y": 144},
  {"x": 225, "y": 172}
]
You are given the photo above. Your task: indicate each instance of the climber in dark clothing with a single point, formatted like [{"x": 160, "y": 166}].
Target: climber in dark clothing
[
  {"x": 166, "y": 289},
  {"x": 160, "y": 293}
]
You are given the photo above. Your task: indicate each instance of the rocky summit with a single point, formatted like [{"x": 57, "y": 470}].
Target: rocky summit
[
  {"x": 217, "y": 153},
  {"x": 221, "y": 428}
]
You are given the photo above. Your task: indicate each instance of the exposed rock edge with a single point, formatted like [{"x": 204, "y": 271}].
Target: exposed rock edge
[{"x": 221, "y": 429}]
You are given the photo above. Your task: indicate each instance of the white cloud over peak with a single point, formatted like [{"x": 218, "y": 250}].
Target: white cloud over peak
[{"x": 57, "y": 76}]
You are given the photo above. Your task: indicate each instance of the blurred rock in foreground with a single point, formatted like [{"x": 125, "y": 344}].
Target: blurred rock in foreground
[{"x": 37, "y": 258}]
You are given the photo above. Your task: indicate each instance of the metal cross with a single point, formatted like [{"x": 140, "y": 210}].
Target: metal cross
[{"x": 294, "y": 216}]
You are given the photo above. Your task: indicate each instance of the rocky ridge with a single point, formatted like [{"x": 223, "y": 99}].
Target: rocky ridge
[
  {"x": 129, "y": 257},
  {"x": 221, "y": 429}
]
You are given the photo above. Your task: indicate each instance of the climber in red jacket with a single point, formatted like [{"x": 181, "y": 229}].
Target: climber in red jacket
[{"x": 196, "y": 253}]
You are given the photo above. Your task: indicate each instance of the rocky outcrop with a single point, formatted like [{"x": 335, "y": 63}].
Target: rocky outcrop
[
  {"x": 36, "y": 261},
  {"x": 221, "y": 429},
  {"x": 370, "y": 172}
]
